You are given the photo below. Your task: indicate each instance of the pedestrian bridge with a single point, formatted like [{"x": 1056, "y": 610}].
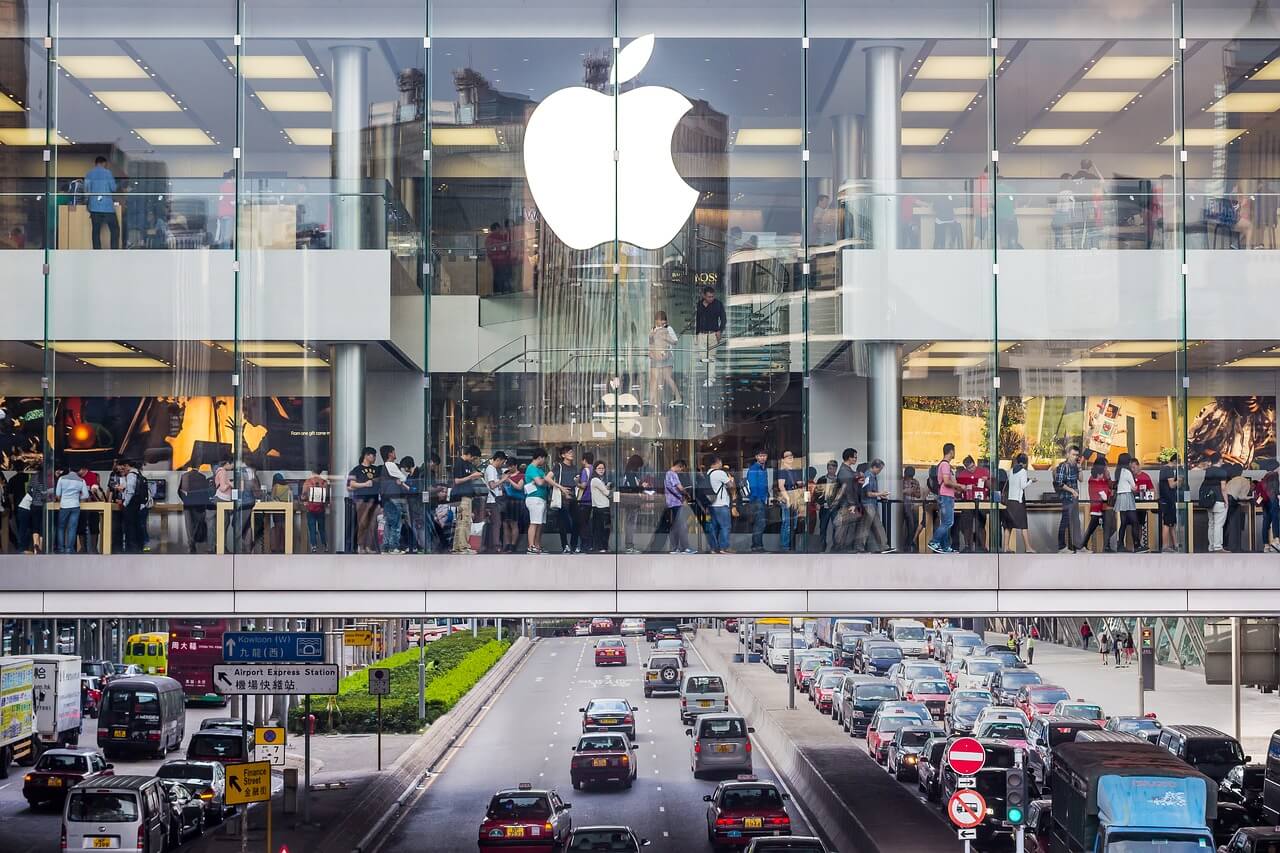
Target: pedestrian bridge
[{"x": 520, "y": 585}]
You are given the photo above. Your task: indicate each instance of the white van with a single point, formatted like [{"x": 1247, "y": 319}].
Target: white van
[
  {"x": 117, "y": 813},
  {"x": 778, "y": 651},
  {"x": 702, "y": 693},
  {"x": 910, "y": 636}
]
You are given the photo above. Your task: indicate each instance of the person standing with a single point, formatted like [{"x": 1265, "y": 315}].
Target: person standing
[
  {"x": 1066, "y": 482},
  {"x": 1104, "y": 646},
  {"x": 393, "y": 490},
  {"x": 601, "y": 504},
  {"x": 823, "y": 493},
  {"x": 315, "y": 499},
  {"x": 196, "y": 495},
  {"x": 1127, "y": 504},
  {"x": 847, "y": 503},
  {"x": 1085, "y": 633},
  {"x": 495, "y": 481},
  {"x": 69, "y": 492},
  {"x": 582, "y": 488},
  {"x": 362, "y": 484},
  {"x": 631, "y": 493},
  {"x": 1100, "y": 487},
  {"x": 1031, "y": 645},
  {"x": 537, "y": 489},
  {"x": 677, "y": 499},
  {"x": 662, "y": 362},
  {"x": 709, "y": 327},
  {"x": 1214, "y": 499},
  {"x": 1128, "y": 648},
  {"x": 564, "y": 477},
  {"x": 99, "y": 184},
  {"x": 1238, "y": 490},
  {"x": 721, "y": 518},
  {"x": 91, "y": 522},
  {"x": 132, "y": 495},
  {"x": 790, "y": 498},
  {"x": 1167, "y": 495},
  {"x": 757, "y": 481},
  {"x": 912, "y": 504},
  {"x": 1016, "y": 504},
  {"x": 822, "y": 226},
  {"x": 871, "y": 528},
  {"x": 946, "y": 485},
  {"x": 1268, "y": 497},
  {"x": 466, "y": 485}
]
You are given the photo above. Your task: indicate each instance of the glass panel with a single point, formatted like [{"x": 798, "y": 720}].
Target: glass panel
[
  {"x": 901, "y": 357},
  {"x": 1089, "y": 289}
]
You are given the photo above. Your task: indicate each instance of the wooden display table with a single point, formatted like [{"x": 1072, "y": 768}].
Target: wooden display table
[{"x": 284, "y": 508}]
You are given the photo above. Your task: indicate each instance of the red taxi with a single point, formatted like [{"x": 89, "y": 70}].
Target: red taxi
[
  {"x": 1037, "y": 699},
  {"x": 60, "y": 770},
  {"x": 743, "y": 809},
  {"x": 881, "y": 730},
  {"x": 602, "y": 625},
  {"x": 933, "y": 692},
  {"x": 824, "y": 688},
  {"x": 602, "y": 758},
  {"x": 611, "y": 650},
  {"x": 532, "y": 821}
]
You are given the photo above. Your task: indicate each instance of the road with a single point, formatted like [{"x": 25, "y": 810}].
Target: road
[{"x": 525, "y": 735}]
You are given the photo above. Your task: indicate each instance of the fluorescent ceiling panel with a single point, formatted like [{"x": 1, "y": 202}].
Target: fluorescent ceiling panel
[
  {"x": 1247, "y": 102},
  {"x": 1270, "y": 71},
  {"x": 923, "y": 135},
  {"x": 966, "y": 346},
  {"x": 950, "y": 361},
  {"x": 134, "y": 362},
  {"x": 464, "y": 136},
  {"x": 276, "y": 67},
  {"x": 286, "y": 361},
  {"x": 1106, "y": 362},
  {"x": 1128, "y": 68},
  {"x": 1093, "y": 102},
  {"x": 263, "y": 346},
  {"x": 138, "y": 102},
  {"x": 310, "y": 135},
  {"x": 26, "y": 136},
  {"x": 174, "y": 135},
  {"x": 769, "y": 136},
  {"x": 1142, "y": 346},
  {"x": 8, "y": 105},
  {"x": 296, "y": 102},
  {"x": 936, "y": 102},
  {"x": 103, "y": 67},
  {"x": 1257, "y": 361},
  {"x": 86, "y": 346},
  {"x": 1201, "y": 137},
  {"x": 1061, "y": 137},
  {"x": 956, "y": 68}
]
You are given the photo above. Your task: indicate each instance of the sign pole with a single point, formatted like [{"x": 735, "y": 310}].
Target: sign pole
[
  {"x": 967, "y": 848},
  {"x": 244, "y": 738},
  {"x": 268, "y": 825},
  {"x": 306, "y": 759},
  {"x": 422, "y": 673},
  {"x": 379, "y": 732}
]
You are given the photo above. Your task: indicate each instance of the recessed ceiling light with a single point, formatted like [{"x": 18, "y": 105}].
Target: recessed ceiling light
[
  {"x": 263, "y": 346},
  {"x": 9, "y": 105},
  {"x": 85, "y": 346},
  {"x": 132, "y": 362},
  {"x": 310, "y": 135},
  {"x": 1061, "y": 137},
  {"x": 1201, "y": 137},
  {"x": 1092, "y": 102},
  {"x": 286, "y": 361},
  {"x": 1247, "y": 102},
  {"x": 1142, "y": 346},
  {"x": 1128, "y": 68},
  {"x": 138, "y": 102},
  {"x": 923, "y": 135},
  {"x": 173, "y": 135},
  {"x": 948, "y": 361},
  {"x": 27, "y": 136},
  {"x": 464, "y": 136},
  {"x": 295, "y": 102},
  {"x": 776, "y": 136},
  {"x": 103, "y": 67},
  {"x": 1106, "y": 362},
  {"x": 1256, "y": 361},
  {"x": 276, "y": 67},
  {"x": 936, "y": 102},
  {"x": 955, "y": 68}
]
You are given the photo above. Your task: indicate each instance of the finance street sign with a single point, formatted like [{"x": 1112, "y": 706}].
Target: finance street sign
[
  {"x": 272, "y": 647},
  {"x": 357, "y": 637},
  {"x": 248, "y": 783},
  {"x": 237, "y": 679}
]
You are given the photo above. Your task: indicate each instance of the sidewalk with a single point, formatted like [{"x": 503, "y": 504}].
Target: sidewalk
[{"x": 1181, "y": 696}]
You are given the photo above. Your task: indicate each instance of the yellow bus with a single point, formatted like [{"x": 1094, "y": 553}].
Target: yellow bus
[{"x": 149, "y": 651}]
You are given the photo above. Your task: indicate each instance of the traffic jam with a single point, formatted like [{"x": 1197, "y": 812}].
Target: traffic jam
[{"x": 1013, "y": 762}]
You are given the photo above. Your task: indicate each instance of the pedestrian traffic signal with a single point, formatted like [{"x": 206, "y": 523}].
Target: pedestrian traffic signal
[{"x": 1015, "y": 796}]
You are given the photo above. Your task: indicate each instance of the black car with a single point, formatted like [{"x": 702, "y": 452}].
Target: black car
[
  {"x": 961, "y": 716},
  {"x": 207, "y": 782},
  {"x": 225, "y": 746},
  {"x": 904, "y": 753},
  {"x": 1206, "y": 749},
  {"x": 1006, "y": 657},
  {"x": 929, "y": 766},
  {"x": 1253, "y": 839},
  {"x": 1044, "y": 736},
  {"x": 1243, "y": 786},
  {"x": 100, "y": 669},
  {"x": 859, "y": 701},
  {"x": 186, "y": 812},
  {"x": 1006, "y": 682}
]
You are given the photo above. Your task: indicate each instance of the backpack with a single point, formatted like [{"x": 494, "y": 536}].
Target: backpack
[
  {"x": 932, "y": 480},
  {"x": 1057, "y": 483},
  {"x": 36, "y": 489},
  {"x": 703, "y": 494},
  {"x": 1208, "y": 496},
  {"x": 1002, "y": 483}
]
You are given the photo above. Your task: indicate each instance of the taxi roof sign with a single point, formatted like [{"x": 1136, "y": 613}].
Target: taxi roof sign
[{"x": 525, "y": 786}]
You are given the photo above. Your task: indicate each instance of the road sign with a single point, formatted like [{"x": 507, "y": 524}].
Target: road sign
[
  {"x": 271, "y": 753},
  {"x": 272, "y": 647},
  {"x": 967, "y": 782},
  {"x": 269, "y": 735},
  {"x": 967, "y": 834},
  {"x": 966, "y": 809},
  {"x": 316, "y": 679},
  {"x": 379, "y": 681},
  {"x": 966, "y": 756},
  {"x": 248, "y": 783},
  {"x": 357, "y": 638}
]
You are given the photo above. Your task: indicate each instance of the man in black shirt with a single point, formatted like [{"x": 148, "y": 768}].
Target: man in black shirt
[
  {"x": 362, "y": 485},
  {"x": 466, "y": 486},
  {"x": 709, "y": 325},
  {"x": 1168, "y": 501}
]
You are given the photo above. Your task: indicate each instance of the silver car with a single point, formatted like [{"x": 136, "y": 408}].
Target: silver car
[{"x": 720, "y": 743}]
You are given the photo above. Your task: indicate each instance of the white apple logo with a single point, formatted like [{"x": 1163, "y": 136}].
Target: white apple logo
[{"x": 568, "y": 161}]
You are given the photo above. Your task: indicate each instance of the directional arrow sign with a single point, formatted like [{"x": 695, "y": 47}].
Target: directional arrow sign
[
  {"x": 966, "y": 809},
  {"x": 272, "y": 647},
  {"x": 248, "y": 783},
  {"x": 316, "y": 679}
]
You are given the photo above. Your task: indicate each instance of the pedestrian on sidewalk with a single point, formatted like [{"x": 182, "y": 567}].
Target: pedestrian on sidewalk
[
  {"x": 1031, "y": 645},
  {"x": 1085, "y": 633},
  {"x": 1104, "y": 646},
  {"x": 1128, "y": 648},
  {"x": 1116, "y": 648}
]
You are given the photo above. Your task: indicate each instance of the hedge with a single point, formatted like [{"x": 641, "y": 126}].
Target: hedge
[{"x": 454, "y": 664}]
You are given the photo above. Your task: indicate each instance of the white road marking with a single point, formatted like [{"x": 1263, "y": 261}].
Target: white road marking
[{"x": 662, "y": 808}]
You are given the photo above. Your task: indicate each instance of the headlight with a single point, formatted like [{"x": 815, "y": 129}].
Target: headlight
[{"x": 911, "y": 759}]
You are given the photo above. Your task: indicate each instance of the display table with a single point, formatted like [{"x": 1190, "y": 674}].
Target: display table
[
  {"x": 284, "y": 508},
  {"x": 75, "y": 229}
]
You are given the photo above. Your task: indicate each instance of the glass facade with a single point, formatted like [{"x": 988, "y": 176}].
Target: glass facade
[{"x": 680, "y": 258}]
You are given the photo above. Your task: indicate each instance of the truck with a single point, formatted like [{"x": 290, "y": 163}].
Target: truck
[
  {"x": 829, "y": 628},
  {"x": 56, "y": 681},
  {"x": 1120, "y": 797},
  {"x": 17, "y": 712}
]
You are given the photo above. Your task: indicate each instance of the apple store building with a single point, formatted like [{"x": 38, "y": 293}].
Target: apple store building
[{"x": 245, "y": 240}]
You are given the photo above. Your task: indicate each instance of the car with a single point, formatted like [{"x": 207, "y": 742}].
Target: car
[
  {"x": 745, "y": 808},
  {"x": 225, "y": 746},
  {"x": 126, "y": 670},
  {"x": 778, "y": 650},
  {"x": 672, "y": 646},
  {"x": 102, "y": 669},
  {"x": 220, "y": 723},
  {"x": 964, "y": 694},
  {"x": 974, "y": 671},
  {"x": 1146, "y": 726},
  {"x": 611, "y": 651},
  {"x": 632, "y": 627},
  {"x": 1045, "y": 734},
  {"x": 609, "y": 715},
  {"x": 1208, "y": 750},
  {"x": 526, "y": 819},
  {"x": 877, "y": 658},
  {"x": 938, "y": 642},
  {"x": 601, "y": 625},
  {"x": 103, "y": 811},
  {"x": 57, "y": 771},
  {"x": 903, "y": 754},
  {"x": 603, "y": 757},
  {"x": 929, "y": 766},
  {"x": 961, "y": 645},
  {"x": 961, "y": 716},
  {"x": 582, "y": 629},
  {"x": 909, "y": 634},
  {"x": 847, "y": 646},
  {"x": 1243, "y": 785},
  {"x": 932, "y": 692},
  {"x": 825, "y": 686},
  {"x": 1002, "y": 714},
  {"x": 90, "y": 696},
  {"x": 1037, "y": 699},
  {"x": 1076, "y": 708},
  {"x": 910, "y": 670},
  {"x": 792, "y": 843},
  {"x": 881, "y": 729},
  {"x": 702, "y": 693},
  {"x": 1010, "y": 732},
  {"x": 1007, "y": 658},
  {"x": 904, "y": 706},
  {"x": 807, "y": 662},
  {"x": 720, "y": 742},
  {"x": 667, "y": 632},
  {"x": 207, "y": 781},
  {"x": 860, "y": 699},
  {"x": 952, "y": 668},
  {"x": 611, "y": 838},
  {"x": 1006, "y": 682},
  {"x": 731, "y": 624},
  {"x": 660, "y": 626},
  {"x": 662, "y": 674},
  {"x": 1253, "y": 839},
  {"x": 186, "y": 819}
]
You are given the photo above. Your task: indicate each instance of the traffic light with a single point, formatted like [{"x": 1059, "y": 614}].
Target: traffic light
[{"x": 1015, "y": 796}]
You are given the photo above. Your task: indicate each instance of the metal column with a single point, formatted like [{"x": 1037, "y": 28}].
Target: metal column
[
  {"x": 883, "y": 141},
  {"x": 347, "y": 396}
]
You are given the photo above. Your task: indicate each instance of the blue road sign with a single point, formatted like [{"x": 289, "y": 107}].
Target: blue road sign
[{"x": 272, "y": 647}]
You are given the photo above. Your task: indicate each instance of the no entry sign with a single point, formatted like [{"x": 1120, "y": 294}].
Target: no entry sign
[
  {"x": 966, "y": 756},
  {"x": 966, "y": 809}
]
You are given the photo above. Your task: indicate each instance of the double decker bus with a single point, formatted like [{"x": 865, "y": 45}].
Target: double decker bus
[{"x": 195, "y": 646}]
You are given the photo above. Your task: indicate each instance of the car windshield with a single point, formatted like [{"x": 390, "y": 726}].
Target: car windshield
[
  {"x": 981, "y": 667},
  {"x": 202, "y": 772},
  {"x": 1213, "y": 752},
  {"x": 876, "y": 691},
  {"x": 1003, "y": 731},
  {"x": 917, "y": 738},
  {"x": 102, "y": 807},
  {"x": 884, "y": 653},
  {"x": 609, "y": 840},
  {"x": 608, "y": 706},
  {"x": 781, "y": 643},
  {"x": 892, "y": 724},
  {"x": 1063, "y": 734},
  {"x": 1138, "y": 726},
  {"x": 1087, "y": 712},
  {"x": 667, "y": 645},
  {"x": 909, "y": 632},
  {"x": 727, "y": 728},
  {"x": 969, "y": 640},
  {"x": 215, "y": 746},
  {"x": 704, "y": 684},
  {"x": 831, "y": 679},
  {"x": 1019, "y": 678},
  {"x": 1048, "y": 695},
  {"x": 519, "y": 807},
  {"x": 615, "y": 643},
  {"x": 127, "y": 701},
  {"x": 762, "y": 797},
  {"x": 62, "y": 763},
  {"x": 612, "y": 743},
  {"x": 810, "y": 664},
  {"x": 969, "y": 709},
  {"x": 931, "y": 687}
]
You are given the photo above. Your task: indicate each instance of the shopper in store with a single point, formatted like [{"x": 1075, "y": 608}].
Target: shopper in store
[
  {"x": 677, "y": 500},
  {"x": 871, "y": 534},
  {"x": 1213, "y": 498},
  {"x": 720, "y": 483},
  {"x": 69, "y": 492},
  {"x": 563, "y": 500},
  {"x": 467, "y": 486},
  {"x": 495, "y": 501},
  {"x": 132, "y": 495},
  {"x": 99, "y": 184},
  {"x": 632, "y": 492},
  {"x": 790, "y": 494},
  {"x": 1167, "y": 499},
  {"x": 315, "y": 500},
  {"x": 1238, "y": 490},
  {"x": 709, "y": 327},
  {"x": 196, "y": 494},
  {"x": 942, "y": 482},
  {"x": 1126, "y": 502},
  {"x": 393, "y": 490},
  {"x": 1066, "y": 483},
  {"x": 537, "y": 490},
  {"x": 1267, "y": 496},
  {"x": 756, "y": 488},
  {"x": 582, "y": 488},
  {"x": 362, "y": 485},
  {"x": 601, "y": 492},
  {"x": 1101, "y": 490},
  {"x": 1015, "y": 509},
  {"x": 847, "y": 503},
  {"x": 912, "y": 504},
  {"x": 662, "y": 362}
]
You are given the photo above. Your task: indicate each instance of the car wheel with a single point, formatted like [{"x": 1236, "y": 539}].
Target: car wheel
[
  {"x": 897, "y": 774},
  {"x": 628, "y": 782},
  {"x": 697, "y": 774},
  {"x": 647, "y": 693},
  {"x": 33, "y": 804},
  {"x": 577, "y": 785}
]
